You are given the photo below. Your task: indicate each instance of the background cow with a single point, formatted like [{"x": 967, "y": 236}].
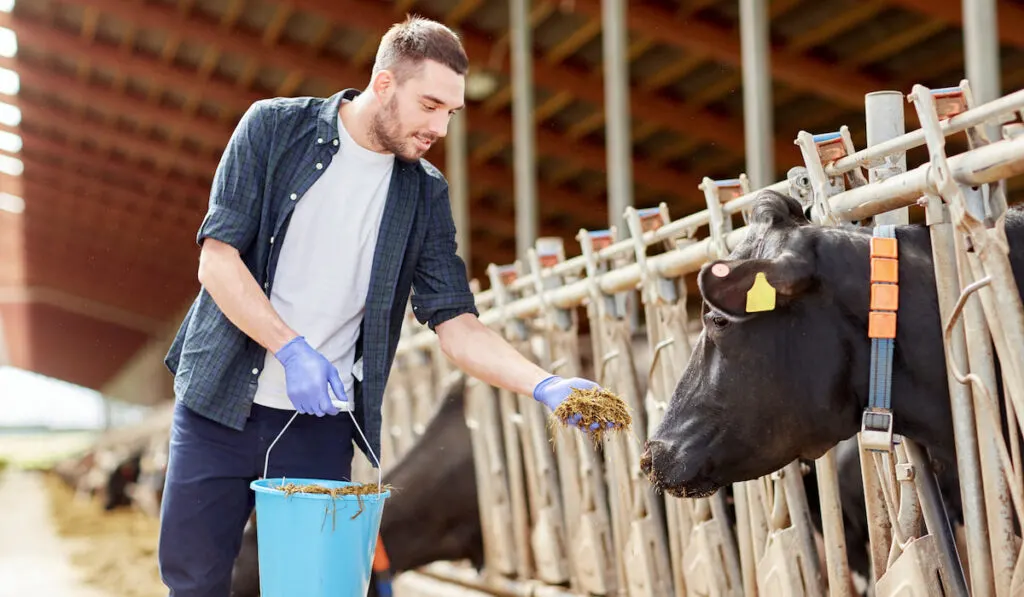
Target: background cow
[{"x": 431, "y": 516}]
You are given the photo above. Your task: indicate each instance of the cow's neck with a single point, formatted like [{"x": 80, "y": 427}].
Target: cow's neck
[{"x": 920, "y": 395}]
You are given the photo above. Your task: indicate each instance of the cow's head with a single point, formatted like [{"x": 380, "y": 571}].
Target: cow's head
[{"x": 766, "y": 383}]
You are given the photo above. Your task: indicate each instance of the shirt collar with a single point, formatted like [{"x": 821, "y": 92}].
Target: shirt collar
[
  {"x": 327, "y": 123},
  {"x": 327, "y": 120}
]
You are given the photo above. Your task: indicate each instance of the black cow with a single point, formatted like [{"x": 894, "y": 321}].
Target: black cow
[
  {"x": 763, "y": 389},
  {"x": 124, "y": 474}
]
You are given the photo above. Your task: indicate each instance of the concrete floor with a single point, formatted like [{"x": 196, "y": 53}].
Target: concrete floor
[{"x": 33, "y": 559}]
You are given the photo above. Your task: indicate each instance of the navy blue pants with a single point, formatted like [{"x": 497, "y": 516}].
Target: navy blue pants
[{"x": 207, "y": 499}]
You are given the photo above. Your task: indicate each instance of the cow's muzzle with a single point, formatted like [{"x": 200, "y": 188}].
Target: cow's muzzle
[{"x": 666, "y": 472}]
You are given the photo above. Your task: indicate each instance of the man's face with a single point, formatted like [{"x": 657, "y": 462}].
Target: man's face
[{"x": 415, "y": 113}]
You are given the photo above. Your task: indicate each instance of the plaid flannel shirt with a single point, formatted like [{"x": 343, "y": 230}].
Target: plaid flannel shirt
[{"x": 278, "y": 150}]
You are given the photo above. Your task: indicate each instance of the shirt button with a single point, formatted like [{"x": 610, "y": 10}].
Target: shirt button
[
  {"x": 335, "y": 141},
  {"x": 271, "y": 240},
  {"x": 266, "y": 285},
  {"x": 255, "y": 371},
  {"x": 294, "y": 196},
  {"x": 319, "y": 140},
  {"x": 319, "y": 166}
]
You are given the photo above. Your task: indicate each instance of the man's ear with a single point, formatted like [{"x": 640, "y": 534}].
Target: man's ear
[
  {"x": 381, "y": 83},
  {"x": 744, "y": 287}
]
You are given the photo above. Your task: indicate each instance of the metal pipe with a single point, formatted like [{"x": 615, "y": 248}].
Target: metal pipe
[
  {"x": 947, "y": 282},
  {"x": 418, "y": 584},
  {"x": 990, "y": 163},
  {"x": 456, "y": 160},
  {"x": 986, "y": 164},
  {"x": 757, "y": 92},
  {"x": 871, "y": 157},
  {"x": 1001, "y": 545},
  {"x": 832, "y": 526},
  {"x": 981, "y": 48},
  {"x": 874, "y": 156},
  {"x": 884, "y": 114},
  {"x": 494, "y": 585},
  {"x": 615, "y": 39},
  {"x": 935, "y": 517},
  {"x": 523, "y": 149}
]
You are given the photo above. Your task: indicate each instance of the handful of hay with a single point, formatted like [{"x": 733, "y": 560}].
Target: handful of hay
[{"x": 600, "y": 406}]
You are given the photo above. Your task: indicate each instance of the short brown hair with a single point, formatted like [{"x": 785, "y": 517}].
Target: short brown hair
[{"x": 406, "y": 45}]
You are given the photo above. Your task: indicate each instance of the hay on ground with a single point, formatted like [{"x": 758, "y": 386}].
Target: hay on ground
[
  {"x": 115, "y": 551},
  {"x": 595, "y": 406}
]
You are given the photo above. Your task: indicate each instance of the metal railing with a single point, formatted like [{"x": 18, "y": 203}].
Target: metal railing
[{"x": 560, "y": 513}]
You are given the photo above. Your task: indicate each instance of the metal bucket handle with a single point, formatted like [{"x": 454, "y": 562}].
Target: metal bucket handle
[{"x": 345, "y": 406}]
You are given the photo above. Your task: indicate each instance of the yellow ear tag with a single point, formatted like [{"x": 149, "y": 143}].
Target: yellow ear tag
[{"x": 761, "y": 296}]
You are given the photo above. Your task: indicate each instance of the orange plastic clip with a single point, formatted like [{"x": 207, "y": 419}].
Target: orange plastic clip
[
  {"x": 883, "y": 247},
  {"x": 881, "y": 324},
  {"x": 885, "y": 297},
  {"x": 885, "y": 270}
]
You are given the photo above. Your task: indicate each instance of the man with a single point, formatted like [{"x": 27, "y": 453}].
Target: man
[{"x": 323, "y": 218}]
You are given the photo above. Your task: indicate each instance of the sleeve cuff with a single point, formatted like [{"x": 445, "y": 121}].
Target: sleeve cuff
[
  {"x": 435, "y": 309},
  {"x": 229, "y": 226}
]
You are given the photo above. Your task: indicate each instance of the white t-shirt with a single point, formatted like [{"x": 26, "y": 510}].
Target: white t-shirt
[{"x": 323, "y": 272}]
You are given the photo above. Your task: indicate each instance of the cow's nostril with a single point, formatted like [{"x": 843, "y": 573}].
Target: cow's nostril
[{"x": 647, "y": 458}]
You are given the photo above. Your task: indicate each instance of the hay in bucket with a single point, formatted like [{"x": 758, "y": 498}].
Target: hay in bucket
[
  {"x": 596, "y": 405},
  {"x": 359, "y": 490}
]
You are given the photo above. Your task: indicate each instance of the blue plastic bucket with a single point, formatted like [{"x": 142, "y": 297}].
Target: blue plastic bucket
[{"x": 314, "y": 545}]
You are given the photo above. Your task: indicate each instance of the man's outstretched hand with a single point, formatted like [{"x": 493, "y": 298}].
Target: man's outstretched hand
[
  {"x": 307, "y": 376},
  {"x": 554, "y": 390}
]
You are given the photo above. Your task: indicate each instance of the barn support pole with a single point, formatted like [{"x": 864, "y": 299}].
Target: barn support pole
[
  {"x": 614, "y": 39},
  {"x": 981, "y": 51},
  {"x": 458, "y": 182},
  {"x": 884, "y": 112},
  {"x": 523, "y": 142},
  {"x": 757, "y": 93},
  {"x": 946, "y": 279},
  {"x": 981, "y": 58}
]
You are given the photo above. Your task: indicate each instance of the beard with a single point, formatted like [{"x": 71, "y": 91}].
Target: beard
[{"x": 386, "y": 131}]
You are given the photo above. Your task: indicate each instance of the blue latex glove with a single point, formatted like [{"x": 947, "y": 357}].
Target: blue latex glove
[
  {"x": 307, "y": 377},
  {"x": 554, "y": 390}
]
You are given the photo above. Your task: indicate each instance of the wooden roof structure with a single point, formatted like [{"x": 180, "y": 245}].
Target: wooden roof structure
[{"x": 126, "y": 106}]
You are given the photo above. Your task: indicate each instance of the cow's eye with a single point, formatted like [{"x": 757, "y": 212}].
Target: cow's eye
[{"x": 717, "y": 320}]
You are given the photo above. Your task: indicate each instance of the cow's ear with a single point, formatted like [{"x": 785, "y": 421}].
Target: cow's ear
[{"x": 745, "y": 287}]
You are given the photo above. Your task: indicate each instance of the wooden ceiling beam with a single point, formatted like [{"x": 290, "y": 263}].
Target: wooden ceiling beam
[
  {"x": 1011, "y": 16},
  {"x": 55, "y": 237},
  {"x": 105, "y": 232},
  {"x": 482, "y": 175},
  {"x": 838, "y": 24},
  {"x": 92, "y": 165},
  {"x": 582, "y": 83},
  {"x": 43, "y": 38},
  {"x": 593, "y": 157},
  {"x": 723, "y": 44},
  {"x": 98, "y": 195},
  {"x": 85, "y": 130},
  {"x": 67, "y": 88},
  {"x": 102, "y": 208},
  {"x": 549, "y": 143},
  {"x": 157, "y": 297}
]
